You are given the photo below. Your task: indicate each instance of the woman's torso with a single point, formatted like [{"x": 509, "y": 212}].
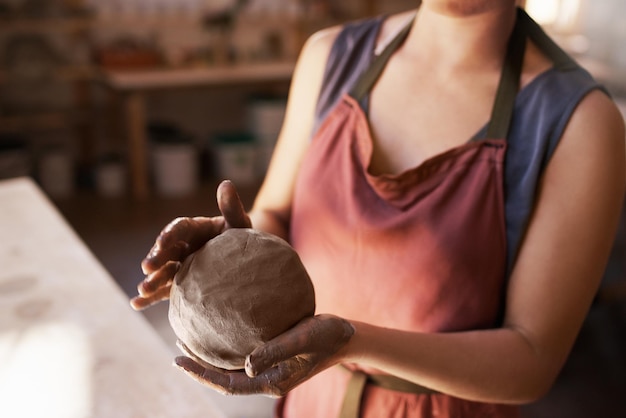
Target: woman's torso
[{"x": 425, "y": 249}]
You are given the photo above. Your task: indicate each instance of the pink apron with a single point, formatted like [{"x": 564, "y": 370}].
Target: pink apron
[{"x": 423, "y": 251}]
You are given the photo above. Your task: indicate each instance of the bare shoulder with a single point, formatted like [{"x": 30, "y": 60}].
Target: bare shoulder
[
  {"x": 319, "y": 44},
  {"x": 597, "y": 125},
  {"x": 592, "y": 150},
  {"x": 598, "y": 108},
  {"x": 309, "y": 70}
]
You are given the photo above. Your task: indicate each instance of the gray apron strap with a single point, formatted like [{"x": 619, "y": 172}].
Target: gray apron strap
[
  {"x": 502, "y": 111},
  {"x": 376, "y": 67}
]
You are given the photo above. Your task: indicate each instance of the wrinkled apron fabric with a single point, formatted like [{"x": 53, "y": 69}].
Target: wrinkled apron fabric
[{"x": 422, "y": 251}]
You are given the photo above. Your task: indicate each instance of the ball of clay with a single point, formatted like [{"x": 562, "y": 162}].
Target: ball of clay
[{"x": 241, "y": 289}]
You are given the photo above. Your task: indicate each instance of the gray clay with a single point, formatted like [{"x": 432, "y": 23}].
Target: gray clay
[{"x": 241, "y": 289}]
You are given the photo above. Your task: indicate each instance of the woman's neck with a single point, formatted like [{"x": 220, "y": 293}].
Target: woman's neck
[{"x": 452, "y": 39}]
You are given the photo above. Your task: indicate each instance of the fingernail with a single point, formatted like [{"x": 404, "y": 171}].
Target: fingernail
[{"x": 251, "y": 371}]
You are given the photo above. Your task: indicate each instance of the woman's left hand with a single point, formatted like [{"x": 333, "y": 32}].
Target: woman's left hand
[{"x": 278, "y": 366}]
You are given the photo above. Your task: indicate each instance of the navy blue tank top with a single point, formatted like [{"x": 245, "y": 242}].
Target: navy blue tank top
[{"x": 541, "y": 113}]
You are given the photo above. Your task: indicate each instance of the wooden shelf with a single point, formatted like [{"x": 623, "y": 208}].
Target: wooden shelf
[
  {"x": 39, "y": 25},
  {"x": 67, "y": 73},
  {"x": 168, "y": 78}
]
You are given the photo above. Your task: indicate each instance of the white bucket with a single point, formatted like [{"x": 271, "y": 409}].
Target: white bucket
[
  {"x": 238, "y": 162},
  {"x": 175, "y": 169},
  {"x": 265, "y": 119},
  {"x": 111, "y": 179},
  {"x": 56, "y": 173}
]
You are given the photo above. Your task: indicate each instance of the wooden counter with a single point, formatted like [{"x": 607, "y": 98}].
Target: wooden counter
[{"x": 70, "y": 345}]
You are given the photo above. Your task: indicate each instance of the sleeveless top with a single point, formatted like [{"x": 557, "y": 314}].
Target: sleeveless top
[{"x": 542, "y": 111}]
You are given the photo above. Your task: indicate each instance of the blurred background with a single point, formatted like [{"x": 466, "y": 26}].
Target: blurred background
[{"x": 129, "y": 112}]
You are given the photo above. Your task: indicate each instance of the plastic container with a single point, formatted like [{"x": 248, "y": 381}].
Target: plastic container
[
  {"x": 111, "y": 176},
  {"x": 175, "y": 169},
  {"x": 174, "y": 161},
  {"x": 56, "y": 172},
  {"x": 236, "y": 155},
  {"x": 265, "y": 119}
]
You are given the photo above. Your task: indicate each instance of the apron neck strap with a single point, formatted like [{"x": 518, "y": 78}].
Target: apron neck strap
[
  {"x": 371, "y": 74},
  {"x": 508, "y": 87},
  {"x": 502, "y": 111},
  {"x": 561, "y": 59}
]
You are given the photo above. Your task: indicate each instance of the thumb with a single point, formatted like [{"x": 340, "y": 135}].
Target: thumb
[
  {"x": 231, "y": 207},
  {"x": 294, "y": 341}
]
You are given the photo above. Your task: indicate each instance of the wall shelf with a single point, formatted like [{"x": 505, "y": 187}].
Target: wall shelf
[
  {"x": 167, "y": 78},
  {"x": 43, "y": 25}
]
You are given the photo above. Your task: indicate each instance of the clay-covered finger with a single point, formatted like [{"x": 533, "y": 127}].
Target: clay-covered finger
[
  {"x": 179, "y": 239},
  {"x": 321, "y": 336},
  {"x": 231, "y": 207},
  {"x": 139, "y": 303},
  {"x": 234, "y": 382},
  {"x": 281, "y": 348},
  {"x": 172, "y": 243},
  {"x": 158, "y": 279},
  {"x": 216, "y": 379},
  {"x": 161, "y": 253}
]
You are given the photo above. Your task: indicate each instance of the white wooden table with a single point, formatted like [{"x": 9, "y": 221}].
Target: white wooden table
[{"x": 70, "y": 345}]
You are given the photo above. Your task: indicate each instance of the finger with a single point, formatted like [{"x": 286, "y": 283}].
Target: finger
[
  {"x": 225, "y": 382},
  {"x": 231, "y": 207},
  {"x": 167, "y": 248},
  {"x": 139, "y": 303},
  {"x": 172, "y": 244},
  {"x": 237, "y": 382},
  {"x": 322, "y": 336},
  {"x": 180, "y": 238},
  {"x": 289, "y": 344},
  {"x": 158, "y": 279}
]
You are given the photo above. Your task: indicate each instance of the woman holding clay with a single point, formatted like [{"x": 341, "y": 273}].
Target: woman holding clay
[{"x": 452, "y": 182}]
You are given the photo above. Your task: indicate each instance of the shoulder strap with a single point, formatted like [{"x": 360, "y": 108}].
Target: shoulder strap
[
  {"x": 557, "y": 55},
  {"x": 369, "y": 77},
  {"x": 502, "y": 111}
]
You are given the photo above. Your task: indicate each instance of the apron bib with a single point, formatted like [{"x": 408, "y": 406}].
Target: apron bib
[{"x": 421, "y": 251}]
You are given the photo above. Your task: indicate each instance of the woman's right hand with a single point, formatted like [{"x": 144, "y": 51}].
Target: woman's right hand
[{"x": 182, "y": 237}]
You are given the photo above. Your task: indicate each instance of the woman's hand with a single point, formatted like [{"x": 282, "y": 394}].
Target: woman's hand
[
  {"x": 281, "y": 364},
  {"x": 182, "y": 237}
]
